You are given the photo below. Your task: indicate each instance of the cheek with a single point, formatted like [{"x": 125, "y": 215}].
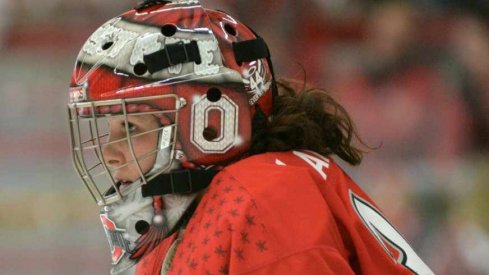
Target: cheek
[{"x": 145, "y": 146}]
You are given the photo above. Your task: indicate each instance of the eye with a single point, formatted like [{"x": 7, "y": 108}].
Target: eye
[{"x": 131, "y": 126}]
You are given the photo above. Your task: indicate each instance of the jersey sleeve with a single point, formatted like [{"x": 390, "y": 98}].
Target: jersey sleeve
[
  {"x": 378, "y": 248},
  {"x": 367, "y": 240}
]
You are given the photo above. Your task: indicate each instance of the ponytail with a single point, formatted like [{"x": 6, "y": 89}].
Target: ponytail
[{"x": 311, "y": 120}]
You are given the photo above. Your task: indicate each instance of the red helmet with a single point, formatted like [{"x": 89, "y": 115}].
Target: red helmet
[
  {"x": 205, "y": 76},
  {"x": 210, "y": 72}
]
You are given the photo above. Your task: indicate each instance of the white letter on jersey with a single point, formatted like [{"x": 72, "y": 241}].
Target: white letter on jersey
[
  {"x": 384, "y": 232},
  {"x": 317, "y": 163}
]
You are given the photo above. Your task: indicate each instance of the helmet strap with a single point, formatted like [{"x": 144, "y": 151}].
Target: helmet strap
[
  {"x": 173, "y": 54},
  {"x": 251, "y": 50},
  {"x": 178, "y": 182}
]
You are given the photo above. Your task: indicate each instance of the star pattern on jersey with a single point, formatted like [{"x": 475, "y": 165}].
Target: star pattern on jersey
[
  {"x": 250, "y": 220},
  {"x": 239, "y": 254},
  {"x": 238, "y": 200},
  {"x": 224, "y": 229},
  {"x": 244, "y": 237},
  {"x": 261, "y": 245}
]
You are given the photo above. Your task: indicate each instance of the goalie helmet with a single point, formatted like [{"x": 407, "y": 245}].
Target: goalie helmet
[{"x": 206, "y": 77}]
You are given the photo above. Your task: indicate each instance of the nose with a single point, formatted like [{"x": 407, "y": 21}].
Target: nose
[{"x": 113, "y": 155}]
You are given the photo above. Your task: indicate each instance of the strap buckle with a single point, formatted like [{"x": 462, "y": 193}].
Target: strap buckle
[
  {"x": 181, "y": 182},
  {"x": 176, "y": 51}
]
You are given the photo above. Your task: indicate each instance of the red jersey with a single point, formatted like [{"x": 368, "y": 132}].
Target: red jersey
[{"x": 290, "y": 212}]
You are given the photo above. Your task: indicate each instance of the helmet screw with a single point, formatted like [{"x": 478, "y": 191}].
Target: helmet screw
[
  {"x": 214, "y": 94},
  {"x": 230, "y": 29},
  {"x": 209, "y": 134},
  {"x": 168, "y": 30},
  {"x": 142, "y": 227},
  {"x": 140, "y": 69},
  {"x": 107, "y": 45}
]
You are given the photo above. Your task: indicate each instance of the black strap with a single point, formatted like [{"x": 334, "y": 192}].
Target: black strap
[
  {"x": 250, "y": 50},
  {"x": 178, "y": 182},
  {"x": 171, "y": 55}
]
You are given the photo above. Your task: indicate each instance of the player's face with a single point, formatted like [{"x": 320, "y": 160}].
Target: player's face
[{"x": 119, "y": 154}]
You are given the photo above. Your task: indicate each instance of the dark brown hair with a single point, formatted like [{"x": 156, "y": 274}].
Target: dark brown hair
[{"x": 310, "y": 119}]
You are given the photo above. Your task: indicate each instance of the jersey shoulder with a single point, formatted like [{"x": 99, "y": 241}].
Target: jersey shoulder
[
  {"x": 268, "y": 207},
  {"x": 290, "y": 168}
]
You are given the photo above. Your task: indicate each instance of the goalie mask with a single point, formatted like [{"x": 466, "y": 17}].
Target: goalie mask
[{"x": 160, "y": 98}]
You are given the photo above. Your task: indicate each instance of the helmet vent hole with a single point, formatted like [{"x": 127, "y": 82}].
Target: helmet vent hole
[
  {"x": 168, "y": 30},
  {"x": 209, "y": 134},
  {"x": 230, "y": 29},
  {"x": 140, "y": 69},
  {"x": 214, "y": 94},
  {"x": 142, "y": 227},
  {"x": 107, "y": 45}
]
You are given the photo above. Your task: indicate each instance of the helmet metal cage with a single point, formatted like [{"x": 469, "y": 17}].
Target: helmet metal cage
[{"x": 88, "y": 141}]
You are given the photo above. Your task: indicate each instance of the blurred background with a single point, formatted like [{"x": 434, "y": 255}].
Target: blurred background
[{"x": 414, "y": 76}]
